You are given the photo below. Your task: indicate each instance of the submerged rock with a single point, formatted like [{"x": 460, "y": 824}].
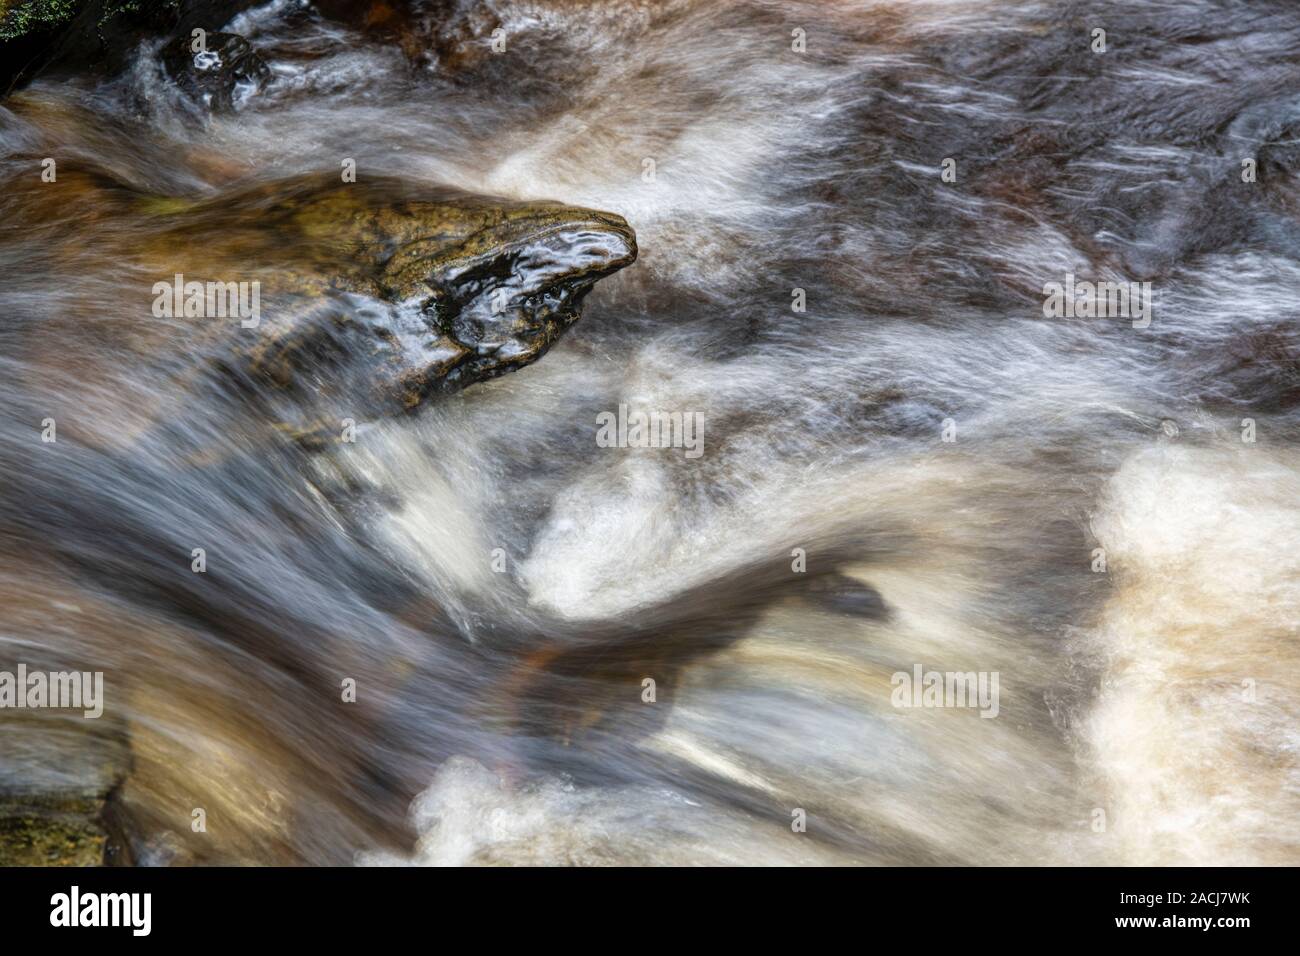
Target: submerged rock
[{"x": 450, "y": 36}]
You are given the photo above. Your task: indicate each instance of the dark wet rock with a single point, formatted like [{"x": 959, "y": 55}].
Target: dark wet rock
[
  {"x": 387, "y": 292},
  {"x": 221, "y": 74},
  {"x": 370, "y": 296}
]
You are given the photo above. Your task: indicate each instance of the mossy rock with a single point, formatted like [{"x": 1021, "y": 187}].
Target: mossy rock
[
  {"x": 51, "y": 832},
  {"x": 21, "y": 17}
]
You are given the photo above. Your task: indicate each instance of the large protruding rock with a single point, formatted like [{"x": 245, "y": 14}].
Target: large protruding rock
[
  {"x": 378, "y": 293},
  {"x": 369, "y": 296}
]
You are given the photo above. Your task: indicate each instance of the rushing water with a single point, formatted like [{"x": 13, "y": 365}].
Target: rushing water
[{"x": 943, "y": 459}]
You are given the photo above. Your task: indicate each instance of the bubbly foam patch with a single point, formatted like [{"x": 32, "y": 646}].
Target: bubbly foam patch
[{"x": 1195, "y": 734}]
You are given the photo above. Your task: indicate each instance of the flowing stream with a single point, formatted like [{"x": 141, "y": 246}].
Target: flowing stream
[{"x": 901, "y": 464}]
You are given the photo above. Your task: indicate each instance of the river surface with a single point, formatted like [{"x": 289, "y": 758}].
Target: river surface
[{"x": 903, "y": 465}]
